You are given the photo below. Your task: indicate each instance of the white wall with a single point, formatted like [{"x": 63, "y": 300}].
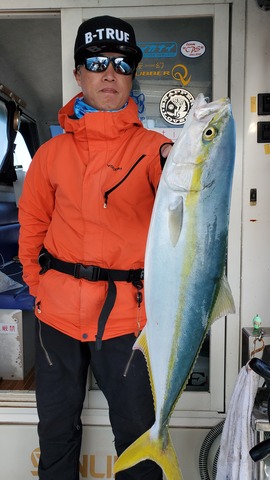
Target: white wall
[{"x": 255, "y": 287}]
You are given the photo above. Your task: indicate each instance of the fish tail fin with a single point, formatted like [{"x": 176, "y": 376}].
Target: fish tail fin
[{"x": 147, "y": 448}]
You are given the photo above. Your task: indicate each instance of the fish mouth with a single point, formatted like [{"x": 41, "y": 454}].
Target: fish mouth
[{"x": 215, "y": 109}]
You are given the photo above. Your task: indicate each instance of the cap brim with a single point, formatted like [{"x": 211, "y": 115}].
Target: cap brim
[{"x": 84, "y": 51}]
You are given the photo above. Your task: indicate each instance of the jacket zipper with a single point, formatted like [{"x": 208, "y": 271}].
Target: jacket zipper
[{"x": 107, "y": 193}]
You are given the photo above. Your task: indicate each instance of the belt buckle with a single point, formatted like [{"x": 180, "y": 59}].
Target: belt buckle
[
  {"x": 88, "y": 272},
  {"x": 135, "y": 275},
  {"x": 95, "y": 273},
  {"x": 45, "y": 262}
]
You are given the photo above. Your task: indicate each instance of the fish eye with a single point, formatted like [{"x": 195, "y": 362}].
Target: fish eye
[{"x": 209, "y": 133}]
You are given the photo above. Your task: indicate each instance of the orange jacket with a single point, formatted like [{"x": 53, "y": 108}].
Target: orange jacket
[{"x": 69, "y": 205}]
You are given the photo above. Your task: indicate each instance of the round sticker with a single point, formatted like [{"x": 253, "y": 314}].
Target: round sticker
[
  {"x": 175, "y": 105},
  {"x": 193, "y": 49}
]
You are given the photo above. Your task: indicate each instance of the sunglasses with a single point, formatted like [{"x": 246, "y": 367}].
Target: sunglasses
[{"x": 121, "y": 65}]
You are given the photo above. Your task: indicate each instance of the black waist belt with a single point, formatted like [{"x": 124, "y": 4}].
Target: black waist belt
[{"x": 93, "y": 273}]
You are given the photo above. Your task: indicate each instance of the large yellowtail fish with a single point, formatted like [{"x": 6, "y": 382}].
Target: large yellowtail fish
[{"x": 185, "y": 285}]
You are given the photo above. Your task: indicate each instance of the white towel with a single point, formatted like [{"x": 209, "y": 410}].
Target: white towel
[{"x": 234, "y": 462}]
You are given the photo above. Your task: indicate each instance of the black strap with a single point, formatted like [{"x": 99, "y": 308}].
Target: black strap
[
  {"x": 93, "y": 273},
  {"x": 105, "y": 312}
]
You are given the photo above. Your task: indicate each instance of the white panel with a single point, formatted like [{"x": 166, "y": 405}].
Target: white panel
[
  {"x": 221, "y": 52},
  {"x": 19, "y": 452},
  {"x": 237, "y": 92},
  {"x": 11, "y": 345},
  {"x": 256, "y": 218},
  {"x": 70, "y": 21}
]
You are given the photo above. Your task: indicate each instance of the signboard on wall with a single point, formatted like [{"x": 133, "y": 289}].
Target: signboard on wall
[{"x": 176, "y": 67}]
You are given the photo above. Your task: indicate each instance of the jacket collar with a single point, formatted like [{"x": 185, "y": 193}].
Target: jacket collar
[{"x": 99, "y": 125}]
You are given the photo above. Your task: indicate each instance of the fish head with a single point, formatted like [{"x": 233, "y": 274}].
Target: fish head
[{"x": 207, "y": 141}]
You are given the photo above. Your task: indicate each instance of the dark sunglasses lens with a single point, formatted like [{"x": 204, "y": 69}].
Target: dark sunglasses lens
[
  {"x": 96, "y": 64},
  {"x": 123, "y": 66}
]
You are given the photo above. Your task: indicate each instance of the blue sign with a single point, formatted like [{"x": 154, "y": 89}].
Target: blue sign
[{"x": 158, "y": 49}]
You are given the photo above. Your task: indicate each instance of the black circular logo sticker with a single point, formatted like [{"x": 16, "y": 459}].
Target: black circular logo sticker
[{"x": 175, "y": 105}]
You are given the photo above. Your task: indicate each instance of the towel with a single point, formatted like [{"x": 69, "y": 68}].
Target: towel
[{"x": 237, "y": 438}]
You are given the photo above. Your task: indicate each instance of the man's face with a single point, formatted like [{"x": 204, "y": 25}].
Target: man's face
[{"x": 106, "y": 90}]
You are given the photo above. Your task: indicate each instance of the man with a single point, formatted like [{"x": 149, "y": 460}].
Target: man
[{"x": 84, "y": 214}]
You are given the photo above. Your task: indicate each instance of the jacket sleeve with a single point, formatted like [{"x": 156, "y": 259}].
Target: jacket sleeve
[{"x": 35, "y": 210}]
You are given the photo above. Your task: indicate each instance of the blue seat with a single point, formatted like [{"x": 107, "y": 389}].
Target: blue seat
[
  {"x": 8, "y": 213},
  {"x": 17, "y": 299}
]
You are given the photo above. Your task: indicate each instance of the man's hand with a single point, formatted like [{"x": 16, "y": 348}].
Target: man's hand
[{"x": 165, "y": 150}]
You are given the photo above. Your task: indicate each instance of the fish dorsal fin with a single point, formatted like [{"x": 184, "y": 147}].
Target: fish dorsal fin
[
  {"x": 141, "y": 344},
  {"x": 224, "y": 302},
  {"x": 176, "y": 220}
]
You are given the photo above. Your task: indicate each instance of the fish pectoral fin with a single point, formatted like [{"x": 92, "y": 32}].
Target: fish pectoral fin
[
  {"x": 176, "y": 212},
  {"x": 224, "y": 303},
  {"x": 148, "y": 448}
]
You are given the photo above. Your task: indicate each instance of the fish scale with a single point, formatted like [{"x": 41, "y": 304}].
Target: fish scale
[{"x": 185, "y": 285}]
